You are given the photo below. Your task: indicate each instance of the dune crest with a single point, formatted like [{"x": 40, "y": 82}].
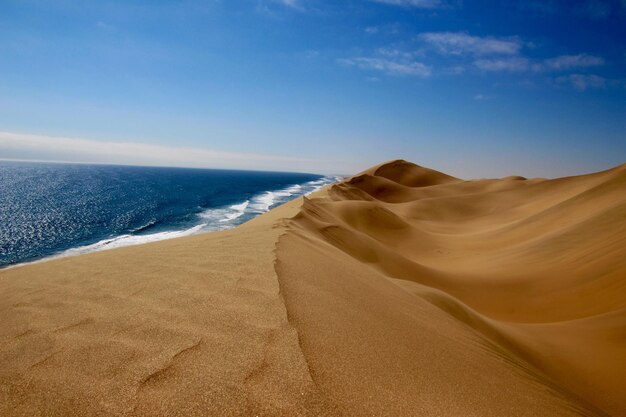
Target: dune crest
[
  {"x": 409, "y": 174},
  {"x": 412, "y": 281}
]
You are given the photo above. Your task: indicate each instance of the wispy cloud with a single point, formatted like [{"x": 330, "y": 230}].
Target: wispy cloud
[
  {"x": 290, "y": 3},
  {"x": 582, "y": 82},
  {"x": 273, "y": 8},
  {"x": 481, "y": 97},
  {"x": 461, "y": 53},
  {"x": 387, "y": 29},
  {"x": 515, "y": 64},
  {"x": 422, "y": 4},
  {"x": 499, "y": 54},
  {"x": 53, "y": 148},
  {"x": 461, "y": 43},
  {"x": 389, "y": 63},
  {"x": 557, "y": 64},
  {"x": 568, "y": 62}
]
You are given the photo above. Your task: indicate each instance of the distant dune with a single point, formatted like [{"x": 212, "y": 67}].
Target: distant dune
[{"x": 400, "y": 291}]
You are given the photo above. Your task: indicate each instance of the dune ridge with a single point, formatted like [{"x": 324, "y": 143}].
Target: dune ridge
[
  {"x": 525, "y": 277},
  {"x": 400, "y": 291}
]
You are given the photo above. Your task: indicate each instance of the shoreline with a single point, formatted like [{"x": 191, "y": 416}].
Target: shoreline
[{"x": 131, "y": 239}]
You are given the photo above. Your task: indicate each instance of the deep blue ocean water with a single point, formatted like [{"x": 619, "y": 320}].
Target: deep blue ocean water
[{"x": 64, "y": 209}]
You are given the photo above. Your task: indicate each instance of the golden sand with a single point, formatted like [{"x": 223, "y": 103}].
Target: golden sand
[{"x": 402, "y": 291}]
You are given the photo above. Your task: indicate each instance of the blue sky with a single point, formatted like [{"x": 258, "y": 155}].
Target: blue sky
[{"x": 473, "y": 88}]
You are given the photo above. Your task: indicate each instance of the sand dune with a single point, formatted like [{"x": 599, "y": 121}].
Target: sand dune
[
  {"x": 474, "y": 287},
  {"x": 401, "y": 291}
]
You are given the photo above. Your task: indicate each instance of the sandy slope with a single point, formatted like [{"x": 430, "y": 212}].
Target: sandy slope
[
  {"x": 402, "y": 291},
  {"x": 186, "y": 327},
  {"x": 420, "y": 294}
]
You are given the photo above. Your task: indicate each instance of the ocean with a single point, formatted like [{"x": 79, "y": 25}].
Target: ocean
[{"x": 51, "y": 210}]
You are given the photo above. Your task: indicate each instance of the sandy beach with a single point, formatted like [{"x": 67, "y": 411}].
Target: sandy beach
[{"x": 400, "y": 291}]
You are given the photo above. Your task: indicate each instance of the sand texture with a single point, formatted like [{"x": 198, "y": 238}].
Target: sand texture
[{"x": 399, "y": 292}]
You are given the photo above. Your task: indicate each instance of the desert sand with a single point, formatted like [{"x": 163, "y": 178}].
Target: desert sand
[{"x": 401, "y": 291}]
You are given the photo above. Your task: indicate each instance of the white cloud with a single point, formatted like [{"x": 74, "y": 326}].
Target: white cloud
[
  {"x": 461, "y": 52},
  {"x": 390, "y": 65},
  {"x": 516, "y": 64},
  {"x": 396, "y": 53},
  {"x": 387, "y": 29},
  {"x": 568, "y": 62},
  {"x": 290, "y": 3},
  {"x": 522, "y": 64},
  {"x": 422, "y": 4},
  {"x": 582, "y": 82},
  {"x": 392, "y": 62},
  {"x": 269, "y": 7},
  {"x": 51, "y": 148},
  {"x": 460, "y": 43},
  {"x": 502, "y": 54}
]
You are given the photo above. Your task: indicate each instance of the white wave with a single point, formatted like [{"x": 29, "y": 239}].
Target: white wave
[
  {"x": 237, "y": 210},
  {"x": 294, "y": 188},
  {"x": 313, "y": 186},
  {"x": 129, "y": 240},
  {"x": 214, "y": 214},
  {"x": 283, "y": 193},
  {"x": 231, "y": 216},
  {"x": 241, "y": 207},
  {"x": 145, "y": 226},
  {"x": 263, "y": 202}
]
